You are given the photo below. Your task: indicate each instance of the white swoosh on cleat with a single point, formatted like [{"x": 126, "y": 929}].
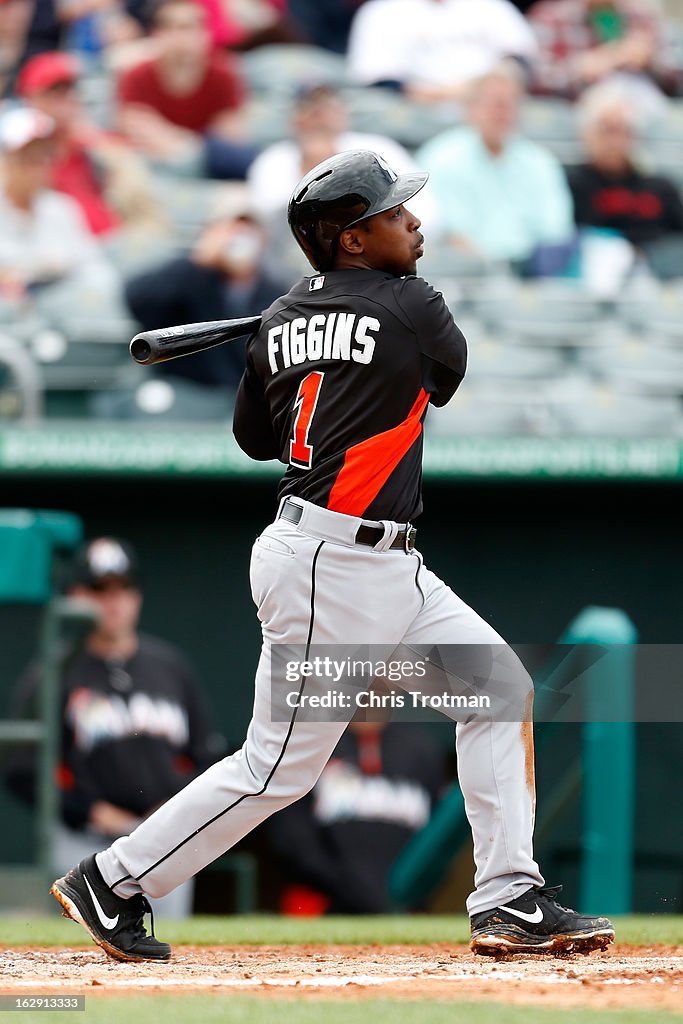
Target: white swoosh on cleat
[
  {"x": 108, "y": 922},
  {"x": 534, "y": 918}
]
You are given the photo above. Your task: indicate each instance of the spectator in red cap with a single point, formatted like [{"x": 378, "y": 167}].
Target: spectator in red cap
[
  {"x": 45, "y": 71},
  {"x": 44, "y": 237},
  {"x": 182, "y": 107},
  {"x": 100, "y": 171}
]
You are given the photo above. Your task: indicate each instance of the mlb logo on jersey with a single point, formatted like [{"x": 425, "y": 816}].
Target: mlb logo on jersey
[{"x": 316, "y": 283}]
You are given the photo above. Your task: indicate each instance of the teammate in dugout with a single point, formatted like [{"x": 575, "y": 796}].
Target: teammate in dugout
[{"x": 336, "y": 387}]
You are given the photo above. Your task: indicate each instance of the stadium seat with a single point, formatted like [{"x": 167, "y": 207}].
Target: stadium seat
[
  {"x": 80, "y": 342},
  {"x": 88, "y": 366},
  {"x": 286, "y": 68},
  {"x": 444, "y": 260},
  {"x": 668, "y": 126},
  {"x": 665, "y": 156},
  {"x": 549, "y": 312},
  {"x": 636, "y": 306},
  {"x": 97, "y": 91},
  {"x": 494, "y": 360},
  {"x": 548, "y": 119},
  {"x": 267, "y": 118},
  {"x": 657, "y": 311},
  {"x": 552, "y": 123},
  {"x": 564, "y": 406},
  {"x": 132, "y": 252},
  {"x": 163, "y": 400},
  {"x": 20, "y": 382},
  {"x": 664, "y": 257},
  {"x": 607, "y": 413},
  {"x": 500, "y": 408},
  {"x": 637, "y": 367},
  {"x": 473, "y": 414},
  {"x": 387, "y": 112},
  {"x": 86, "y": 312},
  {"x": 190, "y": 202}
]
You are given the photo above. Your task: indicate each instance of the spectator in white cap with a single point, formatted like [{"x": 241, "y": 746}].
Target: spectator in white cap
[
  {"x": 44, "y": 236},
  {"x": 319, "y": 129}
]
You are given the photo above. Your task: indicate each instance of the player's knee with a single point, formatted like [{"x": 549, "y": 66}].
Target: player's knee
[
  {"x": 285, "y": 782},
  {"x": 299, "y": 784},
  {"x": 515, "y": 681}
]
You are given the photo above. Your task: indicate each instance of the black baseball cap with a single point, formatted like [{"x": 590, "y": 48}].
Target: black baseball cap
[{"x": 105, "y": 560}]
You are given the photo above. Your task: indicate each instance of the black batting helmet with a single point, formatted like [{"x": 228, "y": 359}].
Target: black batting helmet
[{"x": 340, "y": 192}]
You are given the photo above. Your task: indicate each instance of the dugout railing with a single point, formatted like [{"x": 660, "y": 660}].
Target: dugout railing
[{"x": 30, "y": 542}]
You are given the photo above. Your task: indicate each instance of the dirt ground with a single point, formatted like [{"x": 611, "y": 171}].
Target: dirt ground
[{"x": 623, "y": 976}]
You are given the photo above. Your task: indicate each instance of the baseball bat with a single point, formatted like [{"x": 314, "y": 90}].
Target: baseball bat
[{"x": 158, "y": 346}]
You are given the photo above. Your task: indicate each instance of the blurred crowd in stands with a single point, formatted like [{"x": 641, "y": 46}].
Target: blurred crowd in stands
[{"x": 148, "y": 150}]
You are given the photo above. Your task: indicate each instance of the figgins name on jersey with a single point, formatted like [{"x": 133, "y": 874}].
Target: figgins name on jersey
[{"x": 343, "y": 336}]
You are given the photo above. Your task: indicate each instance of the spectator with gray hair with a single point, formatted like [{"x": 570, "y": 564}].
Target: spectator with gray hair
[{"x": 609, "y": 189}]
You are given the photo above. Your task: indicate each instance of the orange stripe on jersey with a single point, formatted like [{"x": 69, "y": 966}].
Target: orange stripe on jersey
[{"x": 369, "y": 464}]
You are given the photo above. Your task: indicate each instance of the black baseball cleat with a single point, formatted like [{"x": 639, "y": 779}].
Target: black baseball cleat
[
  {"x": 115, "y": 924},
  {"x": 536, "y": 923}
]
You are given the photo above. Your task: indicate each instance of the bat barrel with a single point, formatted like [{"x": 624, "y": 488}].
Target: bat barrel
[
  {"x": 140, "y": 349},
  {"x": 158, "y": 346}
]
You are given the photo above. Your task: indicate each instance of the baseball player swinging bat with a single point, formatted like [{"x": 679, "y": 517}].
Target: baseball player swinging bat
[
  {"x": 159, "y": 346},
  {"x": 336, "y": 386}
]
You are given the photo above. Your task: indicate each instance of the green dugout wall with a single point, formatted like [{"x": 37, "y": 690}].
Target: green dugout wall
[{"x": 528, "y": 532}]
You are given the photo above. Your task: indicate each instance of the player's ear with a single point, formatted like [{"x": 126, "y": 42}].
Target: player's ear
[{"x": 351, "y": 242}]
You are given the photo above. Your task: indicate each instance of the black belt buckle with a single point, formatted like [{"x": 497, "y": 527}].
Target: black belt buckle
[{"x": 409, "y": 541}]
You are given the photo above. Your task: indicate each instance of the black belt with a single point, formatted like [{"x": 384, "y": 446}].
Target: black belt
[{"x": 368, "y": 535}]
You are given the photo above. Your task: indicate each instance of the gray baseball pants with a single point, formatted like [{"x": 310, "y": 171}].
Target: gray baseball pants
[{"x": 312, "y": 584}]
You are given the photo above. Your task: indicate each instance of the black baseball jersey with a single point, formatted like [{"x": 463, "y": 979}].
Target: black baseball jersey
[
  {"x": 133, "y": 732},
  {"x": 337, "y": 384}
]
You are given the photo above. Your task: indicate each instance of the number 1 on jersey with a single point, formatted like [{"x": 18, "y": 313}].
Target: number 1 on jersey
[{"x": 300, "y": 451}]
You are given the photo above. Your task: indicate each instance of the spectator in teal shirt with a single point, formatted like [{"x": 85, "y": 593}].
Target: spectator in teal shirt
[{"x": 498, "y": 195}]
